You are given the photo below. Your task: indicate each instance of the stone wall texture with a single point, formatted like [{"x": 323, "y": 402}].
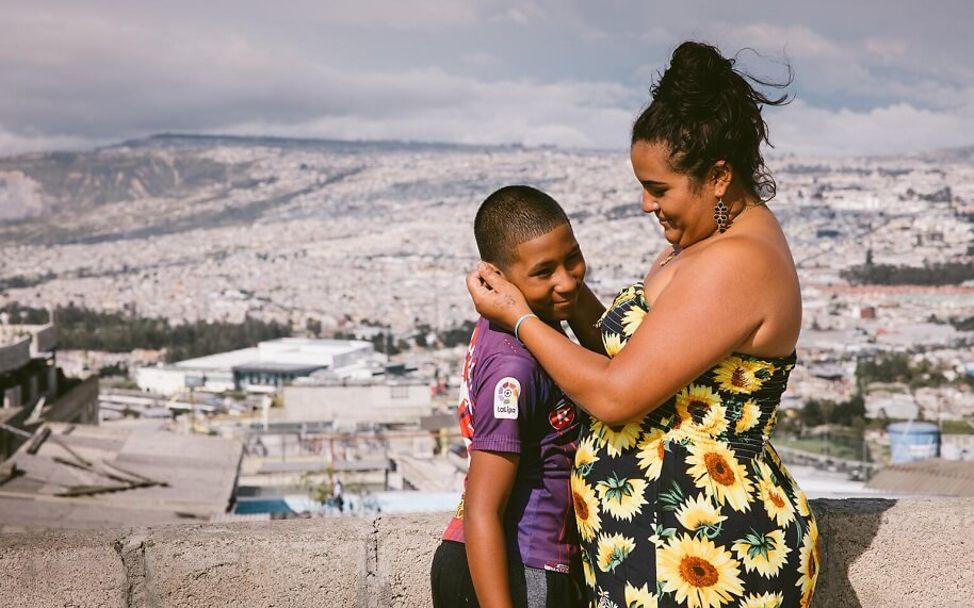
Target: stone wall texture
[{"x": 876, "y": 553}]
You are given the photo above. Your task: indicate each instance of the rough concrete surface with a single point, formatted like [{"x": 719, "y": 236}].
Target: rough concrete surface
[
  {"x": 297, "y": 563},
  {"x": 80, "y": 569},
  {"x": 405, "y": 553},
  {"x": 876, "y": 553},
  {"x": 890, "y": 554}
]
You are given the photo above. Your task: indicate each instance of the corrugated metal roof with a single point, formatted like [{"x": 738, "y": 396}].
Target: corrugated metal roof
[{"x": 146, "y": 477}]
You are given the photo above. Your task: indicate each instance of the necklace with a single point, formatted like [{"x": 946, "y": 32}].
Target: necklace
[{"x": 672, "y": 254}]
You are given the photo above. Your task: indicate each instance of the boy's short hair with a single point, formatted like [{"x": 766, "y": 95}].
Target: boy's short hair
[{"x": 511, "y": 216}]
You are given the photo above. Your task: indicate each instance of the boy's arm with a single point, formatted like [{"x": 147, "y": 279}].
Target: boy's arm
[
  {"x": 489, "y": 484},
  {"x": 587, "y": 312}
]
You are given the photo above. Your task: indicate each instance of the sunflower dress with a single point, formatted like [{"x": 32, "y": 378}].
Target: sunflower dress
[{"x": 691, "y": 506}]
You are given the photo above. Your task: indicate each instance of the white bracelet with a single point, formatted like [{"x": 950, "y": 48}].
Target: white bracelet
[{"x": 520, "y": 320}]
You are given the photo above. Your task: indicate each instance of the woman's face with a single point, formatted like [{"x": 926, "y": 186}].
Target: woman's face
[{"x": 684, "y": 208}]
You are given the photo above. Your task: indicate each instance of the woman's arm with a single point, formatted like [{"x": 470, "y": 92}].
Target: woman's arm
[
  {"x": 587, "y": 311},
  {"x": 489, "y": 484},
  {"x": 708, "y": 309}
]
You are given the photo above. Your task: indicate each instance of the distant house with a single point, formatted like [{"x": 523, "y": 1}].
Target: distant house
[
  {"x": 32, "y": 388},
  {"x": 27, "y": 370},
  {"x": 387, "y": 400},
  {"x": 264, "y": 368},
  {"x": 898, "y": 406}
]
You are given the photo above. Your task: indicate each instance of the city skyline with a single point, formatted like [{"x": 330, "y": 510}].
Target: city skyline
[{"x": 534, "y": 73}]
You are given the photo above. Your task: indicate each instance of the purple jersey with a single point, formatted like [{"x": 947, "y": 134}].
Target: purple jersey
[{"x": 509, "y": 404}]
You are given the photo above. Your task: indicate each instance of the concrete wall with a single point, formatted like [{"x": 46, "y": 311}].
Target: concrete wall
[
  {"x": 876, "y": 554},
  {"x": 45, "y": 339},
  {"x": 354, "y": 402},
  {"x": 79, "y": 405},
  {"x": 14, "y": 354}
]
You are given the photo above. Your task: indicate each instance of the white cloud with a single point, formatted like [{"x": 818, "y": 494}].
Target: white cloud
[
  {"x": 545, "y": 71},
  {"x": 895, "y": 129},
  {"x": 11, "y": 143},
  {"x": 569, "y": 114},
  {"x": 796, "y": 40},
  {"x": 522, "y": 15},
  {"x": 885, "y": 49}
]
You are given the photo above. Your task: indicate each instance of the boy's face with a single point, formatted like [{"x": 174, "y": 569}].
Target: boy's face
[{"x": 549, "y": 271}]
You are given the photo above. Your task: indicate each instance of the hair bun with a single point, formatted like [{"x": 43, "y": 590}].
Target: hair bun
[
  {"x": 698, "y": 76},
  {"x": 700, "y": 57}
]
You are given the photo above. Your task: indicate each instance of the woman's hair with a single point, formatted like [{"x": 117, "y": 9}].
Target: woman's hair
[{"x": 704, "y": 110}]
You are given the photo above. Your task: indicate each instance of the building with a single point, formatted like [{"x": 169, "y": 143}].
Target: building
[
  {"x": 910, "y": 441},
  {"x": 27, "y": 366},
  {"x": 263, "y": 368},
  {"x": 934, "y": 477},
  {"x": 383, "y": 399},
  {"x": 884, "y": 404},
  {"x": 85, "y": 476},
  {"x": 34, "y": 389}
]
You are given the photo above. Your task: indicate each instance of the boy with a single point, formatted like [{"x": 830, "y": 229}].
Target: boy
[{"x": 512, "y": 540}]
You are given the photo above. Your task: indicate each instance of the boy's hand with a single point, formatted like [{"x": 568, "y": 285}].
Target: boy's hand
[{"x": 496, "y": 298}]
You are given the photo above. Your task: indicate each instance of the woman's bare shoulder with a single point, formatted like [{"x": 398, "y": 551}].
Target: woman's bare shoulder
[
  {"x": 744, "y": 254},
  {"x": 748, "y": 254}
]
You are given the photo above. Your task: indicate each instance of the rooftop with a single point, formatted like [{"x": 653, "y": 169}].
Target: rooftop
[
  {"x": 293, "y": 351},
  {"x": 85, "y": 476},
  {"x": 932, "y": 477}
]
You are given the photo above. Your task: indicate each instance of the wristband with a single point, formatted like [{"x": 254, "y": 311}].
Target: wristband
[{"x": 520, "y": 320}]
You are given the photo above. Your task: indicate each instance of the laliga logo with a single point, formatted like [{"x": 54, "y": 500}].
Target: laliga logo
[{"x": 506, "y": 393}]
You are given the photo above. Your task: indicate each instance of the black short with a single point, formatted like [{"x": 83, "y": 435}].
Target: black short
[{"x": 530, "y": 587}]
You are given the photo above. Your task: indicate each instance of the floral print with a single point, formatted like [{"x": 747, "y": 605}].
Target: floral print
[{"x": 691, "y": 506}]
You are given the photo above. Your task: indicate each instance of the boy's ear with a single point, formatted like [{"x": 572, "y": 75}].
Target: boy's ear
[{"x": 497, "y": 268}]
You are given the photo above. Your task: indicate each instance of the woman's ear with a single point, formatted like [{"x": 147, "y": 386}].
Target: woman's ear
[{"x": 721, "y": 175}]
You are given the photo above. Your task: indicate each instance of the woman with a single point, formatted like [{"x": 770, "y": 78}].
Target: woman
[{"x": 679, "y": 498}]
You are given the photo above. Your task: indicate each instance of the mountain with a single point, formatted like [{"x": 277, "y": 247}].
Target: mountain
[
  {"x": 172, "y": 182},
  {"x": 160, "y": 166}
]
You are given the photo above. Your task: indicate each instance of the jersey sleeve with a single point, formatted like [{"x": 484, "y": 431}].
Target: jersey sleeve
[{"x": 507, "y": 393}]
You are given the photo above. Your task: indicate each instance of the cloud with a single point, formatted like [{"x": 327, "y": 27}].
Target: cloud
[
  {"x": 885, "y": 49},
  {"x": 523, "y": 15},
  {"x": 228, "y": 82},
  {"x": 569, "y": 114},
  {"x": 11, "y": 143},
  {"x": 895, "y": 129},
  {"x": 484, "y": 71},
  {"x": 859, "y": 72},
  {"x": 479, "y": 59},
  {"x": 797, "y": 40}
]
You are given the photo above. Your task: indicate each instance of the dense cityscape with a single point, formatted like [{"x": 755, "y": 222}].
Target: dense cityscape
[{"x": 165, "y": 262}]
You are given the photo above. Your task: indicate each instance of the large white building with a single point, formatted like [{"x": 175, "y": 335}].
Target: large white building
[{"x": 263, "y": 368}]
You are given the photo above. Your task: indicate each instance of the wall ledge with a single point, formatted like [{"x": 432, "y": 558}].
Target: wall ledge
[{"x": 875, "y": 553}]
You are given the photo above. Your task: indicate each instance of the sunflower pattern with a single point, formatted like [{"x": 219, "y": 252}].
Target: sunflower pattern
[{"x": 691, "y": 506}]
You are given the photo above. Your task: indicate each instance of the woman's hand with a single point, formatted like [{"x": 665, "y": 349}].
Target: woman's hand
[{"x": 496, "y": 298}]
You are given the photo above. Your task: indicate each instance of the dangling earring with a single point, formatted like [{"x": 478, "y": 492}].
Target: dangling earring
[{"x": 721, "y": 215}]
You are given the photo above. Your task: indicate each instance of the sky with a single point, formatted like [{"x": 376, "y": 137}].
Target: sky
[{"x": 871, "y": 76}]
